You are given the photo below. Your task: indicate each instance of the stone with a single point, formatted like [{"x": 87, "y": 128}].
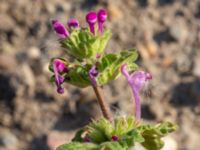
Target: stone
[
  {"x": 34, "y": 53},
  {"x": 170, "y": 144},
  {"x": 178, "y": 31},
  {"x": 148, "y": 48},
  {"x": 196, "y": 68},
  {"x": 8, "y": 140},
  {"x": 7, "y": 62},
  {"x": 56, "y": 138},
  {"x": 183, "y": 63},
  {"x": 28, "y": 77},
  {"x": 7, "y": 23},
  {"x": 114, "y": 12}
]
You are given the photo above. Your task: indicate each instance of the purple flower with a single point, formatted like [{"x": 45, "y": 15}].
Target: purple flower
[
  {"x": 58, "y": 68},
  {"x": 73, "y": 23},
  {"x": 93, "y": 73},
  {"x": 60, "y": 29},
  {"x": 115, "y": 138},
  {"x": 91, "y": 19},
  {"x": 102, "y": 16},
  {"x": 136, "y": 81}
]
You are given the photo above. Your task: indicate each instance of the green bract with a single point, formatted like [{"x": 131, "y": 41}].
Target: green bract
[
  {"x": 108, "y": 68},
  {"x": 126, "y": 129},
  {"x": 82, "y": 44}
]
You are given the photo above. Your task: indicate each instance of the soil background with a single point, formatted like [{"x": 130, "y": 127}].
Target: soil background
[{"x": 166, "y": 34}]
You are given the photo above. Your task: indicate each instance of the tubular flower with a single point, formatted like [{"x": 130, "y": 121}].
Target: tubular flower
[
  {"x": 73, "y": 23},
  {"x": 91, "y": 19},
  {"x": 60, "y": 29},
  {"x": 58, "y": 68},
  {"x": 93, "y": 73},
  {"x": 136, "y": 81},
  {"x": 102, "y": 16}
]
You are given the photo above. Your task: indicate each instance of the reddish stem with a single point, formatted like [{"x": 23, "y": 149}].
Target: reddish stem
[{"x": 103, "y": 105}]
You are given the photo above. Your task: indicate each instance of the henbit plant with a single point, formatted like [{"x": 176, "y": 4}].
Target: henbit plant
[{"x": 92, "y": 66}]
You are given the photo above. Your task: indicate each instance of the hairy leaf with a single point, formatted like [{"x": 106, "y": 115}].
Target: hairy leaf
[{"x": 77, "y": 146}]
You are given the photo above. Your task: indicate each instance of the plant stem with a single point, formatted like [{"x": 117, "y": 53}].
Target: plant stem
[{"x": 103, "y": 105}]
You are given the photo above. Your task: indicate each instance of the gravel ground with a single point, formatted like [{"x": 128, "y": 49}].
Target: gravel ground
[{"x": 165, "y": 32}]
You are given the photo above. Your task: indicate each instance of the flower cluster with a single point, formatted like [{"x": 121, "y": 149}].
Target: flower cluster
[
  {"x": 91, "y": 65},
  {"x": 67, "y": 40},
  {"x": 92, "y": 18}
]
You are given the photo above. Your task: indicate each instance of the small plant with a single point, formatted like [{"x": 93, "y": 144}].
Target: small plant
[{"x": 90, "y": 65}]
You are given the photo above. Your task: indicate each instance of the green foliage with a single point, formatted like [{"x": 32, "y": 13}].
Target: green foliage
[
  {"x": 82, "y": 44},
  {"x": 111, "y": 146},
  {"x": 126, "y": 129},
  {"x": 100, "y": 131},
  {"x": 77, "y": 146},
  {"x": 153, "y": 134},
  {"x": 123, "y": 125},
  {"x": 108, "y": 68}
]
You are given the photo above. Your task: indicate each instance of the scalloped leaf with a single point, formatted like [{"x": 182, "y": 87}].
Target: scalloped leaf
[
  {"x": 123, "y": 125},
  {"x": 111, "y": 146},
  {"x": 130, "y": 138},
  {"x": 100, "y": 131},
  {"x": 77, "y": 146},
  {"x": 78, "y": 76},
  {"x": 153, "y": 134},
  {"x": 82, "y": 44},
  {"x": 111, "y": 63}
]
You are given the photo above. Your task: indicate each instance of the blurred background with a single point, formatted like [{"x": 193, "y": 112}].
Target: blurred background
[{"x": 165, "y": 32}]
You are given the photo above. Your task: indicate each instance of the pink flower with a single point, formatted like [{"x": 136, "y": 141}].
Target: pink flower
[
  {"x": 102, "y": 16},
  {"x": 60, "y": 29},
  {"x": 93, "y": 73},
  {"x": 91, "y": 19},
  {"x": 58, "y": 68},
  {"x": 136, "y": 81},
  {"x": 73, "y": 23}
]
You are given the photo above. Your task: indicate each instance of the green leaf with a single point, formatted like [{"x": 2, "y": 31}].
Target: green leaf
[
  {"x": 104, "y": 40},
  {"x": 129, "y": 138},
  {"x": 100, "y": 131},
  {"x": 153, "y": 134},
  {"x": 111, "y": 146},
  {"x": 78, "y": 76},
  {"x": 77, "y": 137},
  {"x": 110, "y": 64},
  {"x": 77, "y": 146},
  {"x": 82, "y": 44}
]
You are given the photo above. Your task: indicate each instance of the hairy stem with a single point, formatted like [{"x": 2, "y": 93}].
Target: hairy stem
[{"x": 103, "y": 105}]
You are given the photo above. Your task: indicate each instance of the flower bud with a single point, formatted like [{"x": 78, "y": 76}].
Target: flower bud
[
  {"x": 60, "y": 29},
  {"x": 91, "y": 19},
  {"x": 102, "y": 16},
  {"x": 115, "y": 138},
  {"x": 59, "y": 67},
  {"x": 73, "y": 23},
  {"x": 93, "y": 73}
]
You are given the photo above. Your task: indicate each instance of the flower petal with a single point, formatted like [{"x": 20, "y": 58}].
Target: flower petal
[
  {"x": 93, "y": 73},
  {"x": 102, "y": 16},
  {"x": 91, "y": 19},
  {"x": 136, "y": 81},
  {"x": 59, "y": 67},
  {"x": 60, "y": 29},
  {"x": 73, "y": 23}
]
